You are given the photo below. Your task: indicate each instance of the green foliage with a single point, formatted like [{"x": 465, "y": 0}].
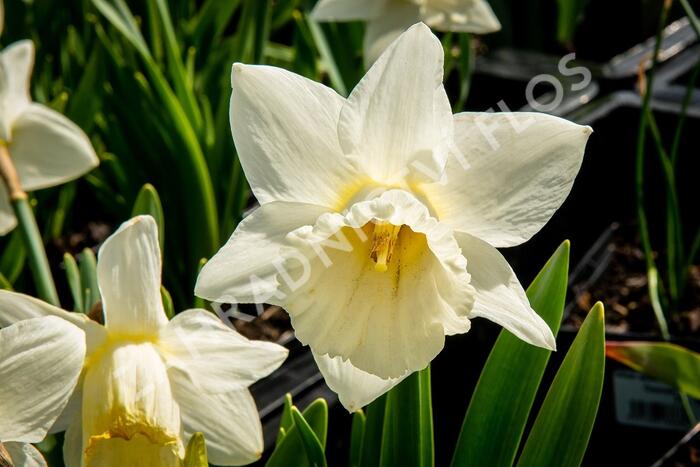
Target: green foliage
[
  {"x": 568, "y": 15},
  {"x": 407, "y": 438},
  {"x": 301, "y": 439},
  {"x": 148, "y": 203},
  {"x": 565, "y": 421},
  {"x": 670, "y": 363},
  {"x": 501, "y": 403}
]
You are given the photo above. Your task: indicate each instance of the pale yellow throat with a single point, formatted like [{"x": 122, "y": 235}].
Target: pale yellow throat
[{"x": 383, "y": 242}]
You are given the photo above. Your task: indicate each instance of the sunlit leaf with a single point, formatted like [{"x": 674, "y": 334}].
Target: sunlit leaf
[
  {"x": 563, "y": 426},
  {"x": 670, "y": 363},
  {"x": 501, "y": 403}
]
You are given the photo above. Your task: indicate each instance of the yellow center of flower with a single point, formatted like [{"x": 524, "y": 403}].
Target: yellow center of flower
[
  {"x": 130, "y": 417},
  {"x": 383, "y": 242}
]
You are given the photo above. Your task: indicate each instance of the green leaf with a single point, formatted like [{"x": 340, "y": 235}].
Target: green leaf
[
  {"x": 356, "y": 437},
  {"x": 88, "y": 277},
  {"x": 312, "y": 445},
  {"x": 408, "y": 424},
  {"x": 670, "y": 363},
  {"x": 565, "y": 421},
  {"x": 148, "y": 203},
  {"x": 286, "y": 421},
  {"x": 4, "y": 283},
  {"x": 294, "y": 446},
  {"x": 74, "y": 283},
  {"x": 316, "y": 414},
  {"x": 374, "y": 430},
  {"x": 569, "y": 12},
  {"x": 495, "y": 420},
  {"x": 196, "y": 453},
  {"x": 167, "y": 302},
  {"x": 327, "y": 57},
  {"x": 14, "y": 257}
]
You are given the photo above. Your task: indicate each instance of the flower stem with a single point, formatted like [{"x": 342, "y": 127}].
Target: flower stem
[{"x": 30, "y": 231}]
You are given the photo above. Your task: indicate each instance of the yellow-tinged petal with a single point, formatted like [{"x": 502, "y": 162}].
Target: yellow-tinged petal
[
  {"x": 40, "y": 362},
  {"x": 518, "y": 168},
  {"x": 48, "y": 149},
  {"x": 388, "y": 135},
  {"x": 25, "y": 455},
  {"x": 129, "y": 273},
  {"x": 129, "y": 412},
  {"x": 16, "y": 62}
]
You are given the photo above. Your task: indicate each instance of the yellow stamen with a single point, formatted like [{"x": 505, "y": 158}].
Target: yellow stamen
[{"x": 383, "y": 242}]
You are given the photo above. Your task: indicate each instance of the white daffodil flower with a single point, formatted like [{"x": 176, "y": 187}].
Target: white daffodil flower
[
  {"x": 45, "y": 147},
  {"x": 372, "y": 232},
  {"x": 149, "y": 383},
  {"x": 40, "y": 362},
  {"x": 387, "y": 19}
]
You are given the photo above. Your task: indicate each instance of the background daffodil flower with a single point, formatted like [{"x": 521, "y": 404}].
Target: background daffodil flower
[
  {"x": 387, "y": 19},
  {"x": 45, "y": 147},
  {"x": 40, "y": 362},
  {"x": 148, "y": 383},
  {"x": 381, "y": 213}
]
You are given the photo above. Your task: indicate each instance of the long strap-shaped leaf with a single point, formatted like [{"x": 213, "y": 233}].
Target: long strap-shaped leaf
[
  {"x": 563, "y": 426},
  {"x": 498, "y": 412},
  {"x": 666, "y": 362},
  {"x": 408, "y": 424}
]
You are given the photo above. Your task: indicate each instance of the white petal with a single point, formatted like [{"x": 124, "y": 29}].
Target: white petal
[
  {"x": 229, "y": 421},
  {"x": 214, "y": 356},
  {"x": 385, "y": 323},
  {"x": 128, "y": 273},
  {"x": 71, "y": 413},
  {"x": 475, "y": 16},
  {"x": 520, "y": 169},
  {"x": 396, "y": 123},
  {"x": 16, "y": 62},
  {"x": 8, "y": 221},
  {"x": 245, "y": 269},
  {"x": 129, "y": 411},
  {"x": 25, "y": 455},
  {"x": 355, "y": 388},
  {"x": 499, "y": 296},
  {"x": 16, "y": 307},
  {"x": 48, "y": 149},
  {"x": 347, "y": 10},
  {"x": 383, "y": 29},
  {"x": 285, "y": 130},
  {"x": 40, "y": 361},
  {"x": 73, "y": 445}
]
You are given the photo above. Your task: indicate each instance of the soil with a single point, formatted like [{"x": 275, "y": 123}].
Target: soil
[{"x": 623, "y": 289}]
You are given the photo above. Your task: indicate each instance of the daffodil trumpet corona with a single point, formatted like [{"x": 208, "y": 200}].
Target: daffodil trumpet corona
[
  {"x": 387, "y": 19},
  {"x": 147, "y": 384},
  {"x": 380, "y": 214}
]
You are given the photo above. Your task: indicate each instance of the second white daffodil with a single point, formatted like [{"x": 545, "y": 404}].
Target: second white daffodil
[
  {"x": 148, "y": 383},
  {"x": 44, "y": 147},
  {"x": 381, "y": 213},
  {"x": 387, "y": 19}
]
